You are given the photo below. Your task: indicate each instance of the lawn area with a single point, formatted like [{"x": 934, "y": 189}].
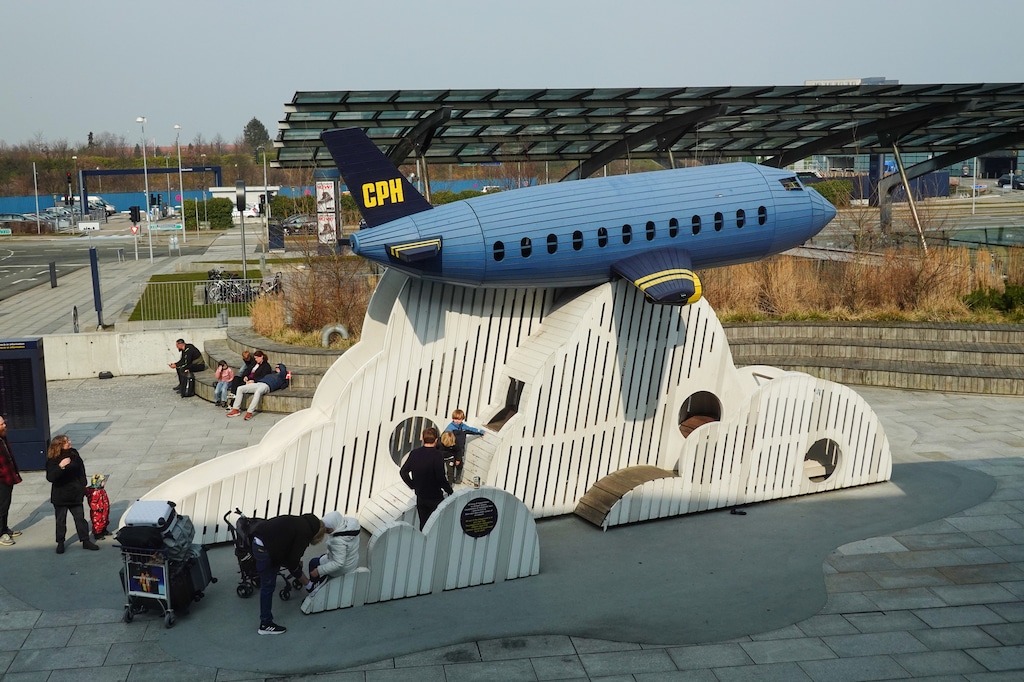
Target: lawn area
[{"x": 187, "y": 296}]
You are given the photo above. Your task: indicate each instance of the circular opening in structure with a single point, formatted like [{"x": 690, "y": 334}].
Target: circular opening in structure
[
  {"x": 821, "y": 460},
  {"x": 408, "y": 436},
  {"x": 698, "y": 409}
]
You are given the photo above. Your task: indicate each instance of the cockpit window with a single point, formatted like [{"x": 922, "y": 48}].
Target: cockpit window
[{"x": 791, "y": 184}]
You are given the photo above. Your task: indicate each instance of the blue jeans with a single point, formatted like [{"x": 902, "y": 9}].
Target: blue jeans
[
  {"x": 220, "y": 393},
  {"x": 268, "y": 582}
]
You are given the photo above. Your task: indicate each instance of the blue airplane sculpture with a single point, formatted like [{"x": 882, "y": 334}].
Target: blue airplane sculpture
[{"x": 653, "y": 229}]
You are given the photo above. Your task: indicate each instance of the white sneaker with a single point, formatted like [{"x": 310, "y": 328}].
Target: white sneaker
[
  {"x": 6, "y": 540},
  {"x": 320, "y": 582}
]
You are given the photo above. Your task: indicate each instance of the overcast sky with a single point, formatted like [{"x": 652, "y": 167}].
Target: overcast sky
[{"x": 68, "y": 68}]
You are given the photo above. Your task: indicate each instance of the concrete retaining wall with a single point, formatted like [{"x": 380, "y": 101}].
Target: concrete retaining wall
[{"x": 83, "y": 356}]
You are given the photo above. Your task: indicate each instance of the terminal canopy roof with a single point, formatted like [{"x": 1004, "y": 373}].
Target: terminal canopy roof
[{"x": 776, "y": 125}]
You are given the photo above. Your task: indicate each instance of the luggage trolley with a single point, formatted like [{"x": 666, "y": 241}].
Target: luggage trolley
[
  {"x": 161, "y": 564},
  {"x": 147, "y": 578}
]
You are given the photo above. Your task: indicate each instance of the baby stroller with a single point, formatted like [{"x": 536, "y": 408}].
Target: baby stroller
[{"x": 249, "y": 579}]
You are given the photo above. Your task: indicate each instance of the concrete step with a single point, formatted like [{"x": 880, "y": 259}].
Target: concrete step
[
  {"x": 934, "y": 357},
  {"x": 307, "y": 366}
]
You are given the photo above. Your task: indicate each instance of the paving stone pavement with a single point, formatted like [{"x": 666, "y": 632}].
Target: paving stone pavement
[{"x": 938, "y": 601}]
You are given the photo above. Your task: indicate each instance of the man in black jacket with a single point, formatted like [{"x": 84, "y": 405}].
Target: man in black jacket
[
  {"x": 279, "y": 543},
  {"x": 423, "y": 471},
  {"x": 191, "y": 360}
]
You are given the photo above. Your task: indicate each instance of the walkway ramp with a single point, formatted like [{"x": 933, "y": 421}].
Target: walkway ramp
[{"x": 597, "y": 502}]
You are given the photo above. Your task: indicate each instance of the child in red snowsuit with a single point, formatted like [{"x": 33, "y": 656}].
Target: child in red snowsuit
[{"x": 99, "y": 506}]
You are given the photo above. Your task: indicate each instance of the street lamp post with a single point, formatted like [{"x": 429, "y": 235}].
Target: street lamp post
[
  {"x": 266, "y": 201},
  {"x": 145, "y": 169},
  {"x": 181, "y": 187},
  {"x": 81, "y": 204},
  {"x": 167, "y": 164},
  {"x": 205, "y": 217},
  {"x": 145, "y": 177}
]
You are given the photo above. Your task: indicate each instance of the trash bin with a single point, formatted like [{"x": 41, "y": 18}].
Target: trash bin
[{"x": 276, "y": 237}]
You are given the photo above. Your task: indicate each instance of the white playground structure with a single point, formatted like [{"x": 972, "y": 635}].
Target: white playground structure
[{"x": 584, "y": 395}]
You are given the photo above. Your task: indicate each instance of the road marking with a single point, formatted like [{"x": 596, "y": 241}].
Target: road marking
[{"x": 19, "y": 281}]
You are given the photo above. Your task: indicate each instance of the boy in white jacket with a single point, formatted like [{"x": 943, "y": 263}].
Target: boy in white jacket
[{"x": 342, "y": 550}]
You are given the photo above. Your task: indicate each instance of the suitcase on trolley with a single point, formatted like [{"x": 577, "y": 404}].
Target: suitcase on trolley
[
  {"x": 154, "y": 524},
  {"x": 155, "y": 513},
  {"x": 199, "y": 569}
]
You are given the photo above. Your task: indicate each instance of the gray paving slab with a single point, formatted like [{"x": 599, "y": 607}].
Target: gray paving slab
[
  {"x": 932, "y": 663},
  {"x": 1006, "y": 633},
  {"x": 999, "y": 659},
  {"x": 859, "y": 669},
  {"x": 888, "y": 621},
  {"x": 953, "y": 616},
  {"x": 709, "y": 656},
  {"x": 873, "y": 644},
  {"x": 969, "y": 636},
  {"x": 788, "y": 650}
]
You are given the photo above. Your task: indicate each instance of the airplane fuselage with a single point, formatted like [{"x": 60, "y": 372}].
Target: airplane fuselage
[{"x": 569, "y": 234}]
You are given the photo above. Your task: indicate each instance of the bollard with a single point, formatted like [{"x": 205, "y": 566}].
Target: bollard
[
  {"x": 222, "y": 317},
  {"x": 74, "y": 317},
  {"x": 53, "y": 274}
]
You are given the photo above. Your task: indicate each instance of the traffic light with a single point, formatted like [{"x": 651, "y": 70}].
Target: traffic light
[
  {"x": 159, "y": 199},
  {"x": 134, "y": 210},
  {"x": 152, "y": 200}
]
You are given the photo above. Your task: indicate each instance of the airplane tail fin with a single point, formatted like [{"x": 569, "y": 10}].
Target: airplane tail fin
[{"x": 380, "y": 190}]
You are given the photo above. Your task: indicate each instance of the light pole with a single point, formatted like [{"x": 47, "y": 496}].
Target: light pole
[
  {"x": 145, "y": 170},
  {"x": 266, "y": 201},
  {"x": 167, "y": 164},
  {"x": 205, "y": 217},
  {"x": 181, "y": 187},
  {"x": 81, "y": 204}
]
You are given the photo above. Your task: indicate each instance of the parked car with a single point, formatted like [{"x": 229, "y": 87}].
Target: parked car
[
  {"x": 299, "y": 223},
  {"x": 12, "y": 218},
  {"x": 1017, "y": 181},
  {"x": 250, "y": 212}
]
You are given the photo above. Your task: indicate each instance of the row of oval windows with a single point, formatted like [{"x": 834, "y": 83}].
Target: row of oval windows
[{"x": 526, "y": 246}]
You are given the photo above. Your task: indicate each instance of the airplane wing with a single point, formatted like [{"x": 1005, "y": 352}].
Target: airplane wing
[
  {"x": 412, "y": 252},
  {"x": 664, "y": 275}
]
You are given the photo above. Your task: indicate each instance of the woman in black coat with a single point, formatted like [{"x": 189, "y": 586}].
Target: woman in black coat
[{"x": 65, "y": 470}]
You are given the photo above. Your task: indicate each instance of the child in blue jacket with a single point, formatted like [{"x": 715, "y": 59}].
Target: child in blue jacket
[{"x": 460, "y": 428}]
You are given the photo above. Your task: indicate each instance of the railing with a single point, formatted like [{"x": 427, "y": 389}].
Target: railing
[{"x": 202, "y": 299}]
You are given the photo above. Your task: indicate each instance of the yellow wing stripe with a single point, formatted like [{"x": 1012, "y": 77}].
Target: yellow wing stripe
[
  {"x": 645, "y": 283},
  {"x": 395, "y": 250},
  {"x": 655, "y": 278}
]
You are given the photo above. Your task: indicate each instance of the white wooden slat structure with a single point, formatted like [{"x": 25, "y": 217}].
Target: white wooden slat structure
[
  {"x": 766, "y": 450},
  {"x": 575, "y": 384},
  {"x": 452, "y": 552}
]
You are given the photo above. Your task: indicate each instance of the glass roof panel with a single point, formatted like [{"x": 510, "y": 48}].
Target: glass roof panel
[
  {"x": 418, "y": 95},
  {"x": 363, "y": 97},
  {"x": 562, "y": 94},
  {"x": 514, "y": 95},
  {"x": 468, "y": 95},
  {"x": 309, "y": 116}
]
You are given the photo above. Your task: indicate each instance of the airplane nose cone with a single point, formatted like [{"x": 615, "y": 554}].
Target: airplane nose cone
[
  {"x": 822, "y": 212},
  {"x": 353, "y": 240}
]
